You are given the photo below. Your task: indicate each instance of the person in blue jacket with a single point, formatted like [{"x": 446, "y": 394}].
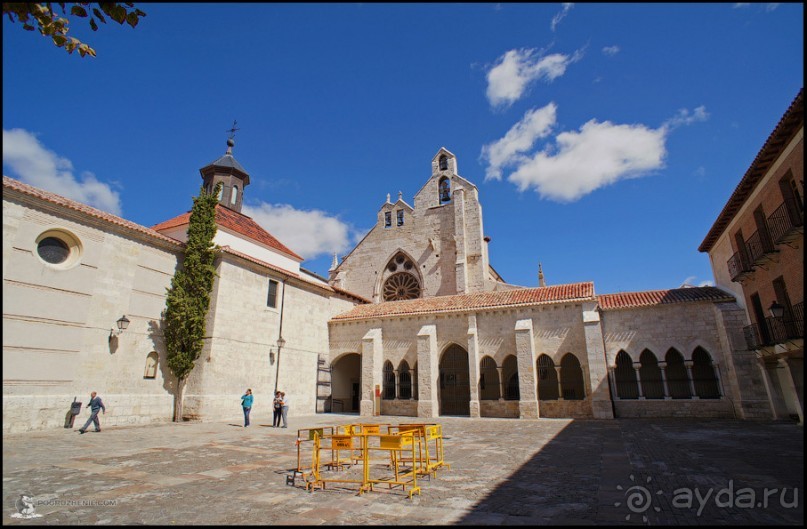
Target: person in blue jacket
[{"x": 246, "y": 403}]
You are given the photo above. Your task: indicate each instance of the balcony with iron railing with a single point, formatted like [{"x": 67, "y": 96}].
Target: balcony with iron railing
[
  {"x": 739, "y": 265},
  {"x": 786, "y": 222},
  {"x": 760, "y": 248},
  {"x": 776, "y": 330}
]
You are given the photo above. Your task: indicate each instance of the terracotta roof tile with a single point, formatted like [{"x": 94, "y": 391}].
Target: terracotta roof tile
[
  {"x": 792, "y": 120},
  {"x": 468, "y": 302},
  {"x": 16, "y": 185},
  {"x": 237, "y": 222},
  {"x": 625, "y": 300}
]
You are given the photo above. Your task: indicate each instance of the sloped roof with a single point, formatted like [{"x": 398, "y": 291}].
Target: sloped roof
[
  {"x": 11, "y": 184},
  {"x": 468, "y": 302},
  {"x": 234, "y": 221},
  {"x": 626, "y": 300},
  {"x": 792, "y": 120}
]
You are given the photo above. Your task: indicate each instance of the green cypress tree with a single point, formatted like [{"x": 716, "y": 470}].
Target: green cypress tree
[{"x": 188, "y": 298}]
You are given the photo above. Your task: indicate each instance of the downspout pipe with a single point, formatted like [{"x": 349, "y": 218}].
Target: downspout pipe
[{"x": 280, "y": 335}]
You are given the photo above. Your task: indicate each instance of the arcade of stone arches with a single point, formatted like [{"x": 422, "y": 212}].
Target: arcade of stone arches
[{"x": 671, "y": 378}]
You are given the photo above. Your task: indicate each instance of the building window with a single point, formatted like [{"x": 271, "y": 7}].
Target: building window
[
  {"x": 547, "y": 379},
  {"x": 510, "y": 374},
  {"x": 401, "y": 286},
  {"x": 404, "y": 381},
  {"x": 571, "y": 378},
  {"x": 677, "y": 377},
  {"x": 151, "y": 365},
  {"x": 389, "y": 381},
  {"x": 58, "y": 248},
  {"x": 445, "y": 190},
  {"x": 271, "y": 300},
  {"x": 625, "y": 375},
  {"x": 400, "y": 217},
  {"x": 793, "y": 198},
  {"x": 703, "y": 375},
  {"x": 234, "y": 196},
  {"x": 220, "y": 193},
  {"x": 387, "y": 219},
  {"x": 444, "y": 163},
  {"x": 488, "y": 379},
  {"x": 650, "y": 375}
]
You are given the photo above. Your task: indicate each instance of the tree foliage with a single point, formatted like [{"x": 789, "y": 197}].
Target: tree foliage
[
  {"x": 41, "y": 16},
  {"x": 188, "y": 298}
]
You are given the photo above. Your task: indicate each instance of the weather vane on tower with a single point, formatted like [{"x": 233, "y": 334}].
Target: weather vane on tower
[{"x": 232, "y": 130}]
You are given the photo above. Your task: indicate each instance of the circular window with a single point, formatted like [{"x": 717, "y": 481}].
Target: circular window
[
  {"x": 58, "y": 249},
  {"x": 53, "y": 250},
  {"x": 408, "y": 265},
  {"x": 392, "y": 267},
  {"x": 399, "y": 259},
  {"x": 401, "y": 286}
]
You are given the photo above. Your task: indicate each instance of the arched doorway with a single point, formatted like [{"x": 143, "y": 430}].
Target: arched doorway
[
  {"x": 455, "y": 388},
  {"x": 346, "y": 384}
]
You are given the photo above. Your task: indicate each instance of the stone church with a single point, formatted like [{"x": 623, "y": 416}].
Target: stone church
[{"x": 414, "y": 321}]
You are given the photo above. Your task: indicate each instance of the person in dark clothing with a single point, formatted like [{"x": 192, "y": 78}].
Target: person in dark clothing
[
  {"x": 277, "y": 406},
  {"x": 95, "y": 405}
]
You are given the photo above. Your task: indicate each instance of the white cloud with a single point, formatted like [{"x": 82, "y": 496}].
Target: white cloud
[
  {"x": 610, "y": 50},
  {"x": 560, "y": 16},
  {"x": 700, "y": 171},
  {"x": 690, "y": 282},
  {"x": 771, "y": 7},
  {"x": 684, "y": 117},
  {"x": 740, "y": 5},
  {"x": 536, "y": 123},
  {"x": 309, "y": 233},
  {"x": 579, "y": 162},
  {"x": 516, "y": 69},
  {"x": 598, "y": 155},
  {"x": 33, "y": 164}
]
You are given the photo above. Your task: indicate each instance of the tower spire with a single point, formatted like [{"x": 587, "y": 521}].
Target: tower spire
[{"x": 541, "y": 282}]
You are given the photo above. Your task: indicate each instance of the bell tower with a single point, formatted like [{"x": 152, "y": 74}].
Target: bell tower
[{"x": 233, "y": 177}]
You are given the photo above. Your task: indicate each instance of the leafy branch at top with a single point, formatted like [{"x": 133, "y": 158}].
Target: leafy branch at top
[{"x": 41, "y": 16}]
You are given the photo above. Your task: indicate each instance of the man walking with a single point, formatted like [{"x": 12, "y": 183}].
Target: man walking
[{"x": 95, "y": 405}]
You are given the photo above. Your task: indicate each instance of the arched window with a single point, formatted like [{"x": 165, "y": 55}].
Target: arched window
[
  {"x": 626, "y": 386},
  {"x": 510, "y": 374},
  {"x": 404, "y": 381},
  {"x": 389, "y": 381},
  {"x": 547, "y": 379},
  {"x": 151, "y": 365},
  {"x": 221, "y": 193},
  {"x": 677, "y": 378},
  {"x": 703, "y": 375},
  {"x": 234, "y": 196},
  {"x": 445, "y": 190},
  {"x": 444, "y": 163},
  {"x": 571, "y": 378},
  {"x": 650, "y": 375},
  {"x": 488, "y": 379}
]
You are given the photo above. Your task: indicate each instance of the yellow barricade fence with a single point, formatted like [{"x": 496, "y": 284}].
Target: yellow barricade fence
[
  {"x": 406, "y": 448},
  {"x": 305, "y": 440}
]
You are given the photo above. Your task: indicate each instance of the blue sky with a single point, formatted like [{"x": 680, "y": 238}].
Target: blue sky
[{"x": 604, "y": 138}]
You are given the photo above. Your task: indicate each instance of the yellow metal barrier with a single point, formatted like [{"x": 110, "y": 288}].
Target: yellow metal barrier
[
  {"x": 305, "y": 438},
  {"x": 405, "y": 451}
]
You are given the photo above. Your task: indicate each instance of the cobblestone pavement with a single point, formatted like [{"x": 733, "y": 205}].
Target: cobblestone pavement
[{"x": 503, "y": 471}]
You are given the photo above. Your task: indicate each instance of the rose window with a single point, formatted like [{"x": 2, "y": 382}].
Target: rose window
[{"x": 401, "y": 286}]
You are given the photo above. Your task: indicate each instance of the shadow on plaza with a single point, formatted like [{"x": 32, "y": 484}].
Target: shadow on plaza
[{"x": 659, "y": 471}]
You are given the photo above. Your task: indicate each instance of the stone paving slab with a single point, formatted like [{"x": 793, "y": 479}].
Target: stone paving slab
[{"x": 503, "y": 472}]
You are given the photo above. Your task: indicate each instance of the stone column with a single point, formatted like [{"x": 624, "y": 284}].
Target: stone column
[
  {"x": 663, "y": 367},
  {"x": 719, "y": 380},
  {"x": 692, "y": 394},
  {"x": 614, "y": 392},
  {"x": 500, "y": 370},
  {"x": 637, "y": 366},
  {"x": 428, "y": 372},
  {"x": 372, "y": 363},
  {"x": 601, "y": 406},
  {"x": 473, "y": 365},
  {"x": 560, "y": 386},
  {"x": 397, "y": 383},
  {"x": 789, "y": 389},
  {"x": 525, "y": 354}
]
